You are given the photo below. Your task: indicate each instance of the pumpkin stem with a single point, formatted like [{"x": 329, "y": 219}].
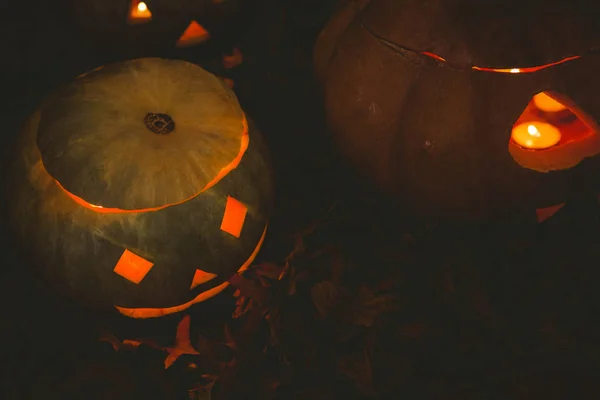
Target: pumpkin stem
[{"x": 161, "y": 124}]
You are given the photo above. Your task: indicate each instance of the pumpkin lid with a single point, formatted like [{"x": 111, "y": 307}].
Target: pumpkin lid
[
  {"x": 141, "y": 134},
  {"x": 494, "y": 34}
]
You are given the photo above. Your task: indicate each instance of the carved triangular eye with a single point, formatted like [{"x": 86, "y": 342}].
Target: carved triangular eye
[
  {"x": 138, "y": 12},
  {"x": 194, "y": 34},
  {"x": 201, "y": 277},
  {"x": 553, "y": 133}
]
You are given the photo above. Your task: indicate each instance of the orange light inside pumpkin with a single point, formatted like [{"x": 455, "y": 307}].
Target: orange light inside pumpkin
[
  {"x": 536, "y": 135},
  {"x": 159, "y": 312},
  {"x": 244, "y": 142},
  {"x": 132, "y": 267},
  {"x": 547, "y": 104},
  {"x": 234, "y": 216},
  {"x": 201, "y": 277},
  {"x": 193, "y": 35},
  {"x": 506, "y": 70},
  {"x": 139, "y": 12},
  {"x": 553, "y": 133}
]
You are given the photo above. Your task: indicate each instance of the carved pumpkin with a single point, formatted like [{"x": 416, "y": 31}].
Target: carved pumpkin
[
  {"x": 156, "y": 27},
  {"x": 465, "y": 109},
  {"x": 141, "y": 185}
]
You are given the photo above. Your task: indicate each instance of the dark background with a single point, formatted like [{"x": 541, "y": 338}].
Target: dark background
[{"x": 524, "y": 323}]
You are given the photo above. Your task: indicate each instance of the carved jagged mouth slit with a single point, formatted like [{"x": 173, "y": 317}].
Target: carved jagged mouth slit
[
  {"x": 523, "y": 70},
  {"x": 516, "y": 70}
]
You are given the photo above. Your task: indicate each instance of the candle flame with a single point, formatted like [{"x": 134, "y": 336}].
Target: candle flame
[
  {"x": 533, "y": 131},
  {"x": 536, "y": 135},
  {"x": 139, "y": 12}
]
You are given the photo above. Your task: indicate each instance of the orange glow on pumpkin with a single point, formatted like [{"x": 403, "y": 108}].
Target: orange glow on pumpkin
[
  {"x": 539, "y": 126},
  {"x": 520, "y": 70},
  {"x": 233, "y": 217},
  {"x": 201, "y": 277},
  {"x": 244, "y": 142},
  {"x": 159, "y": 312},
  {"x": 132, "y": 267},
  {"x": 547, "y": 104},
  {"x": 536, "y": 135},
  {"x": 434, "y": 56},
  {"x": 193, "y": 35},
  {"x": 139, "y": 12},
  {"x": 553, "y": 133}
]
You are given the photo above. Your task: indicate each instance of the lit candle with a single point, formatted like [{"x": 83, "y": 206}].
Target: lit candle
[
  {"x": 139, "y": 12},
  {"x": 535, "y": 135},
  {"x": 547, "y": 104}
]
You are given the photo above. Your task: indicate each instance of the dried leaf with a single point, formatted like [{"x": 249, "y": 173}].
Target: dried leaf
[
  {"x": 229, "y": 82},
  {"x": 234, "y": 59},
  {"x": 324, "y": 295},
  {"x": 369, "y": 306},
  {"x": 242, "y": 306},
  {"x": 273, "y": 321},
  {"x": 358, "y": 368},
  {"x": 413, "y": 330},
  {"x": 296, "y": 278},
  {"x": 448, "y": 280},
  {"x": 250, "y": 289},
  {"x": 337, "y": 267},
  {"x": 268, "y": 270},
  {"x": 229, "y": 338}
]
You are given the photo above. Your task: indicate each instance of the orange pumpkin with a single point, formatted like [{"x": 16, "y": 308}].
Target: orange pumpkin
[
  {"x": 465, "y": 108},
  {"x": 143, "y": 186}
]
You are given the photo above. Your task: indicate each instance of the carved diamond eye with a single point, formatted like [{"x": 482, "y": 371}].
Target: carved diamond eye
[
  {"x": 234, "y": 216},
  {"x": 132, "y": 267}
]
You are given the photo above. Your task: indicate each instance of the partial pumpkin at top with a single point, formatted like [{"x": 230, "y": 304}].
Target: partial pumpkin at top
[
  {"x": 155, "y": 27},
  {"x": 142, "y": 185},
  {"x": 460, "y": 109}
]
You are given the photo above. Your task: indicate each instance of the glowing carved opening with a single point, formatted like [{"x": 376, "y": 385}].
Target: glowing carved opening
[
  {"x": 159, "y": 312},
  {"x": 201, "y": 277},
  {"x": 552, "y": 133},
  {"x": 546, "y": 212},
  {"x": 132, "y": 267},
  {"x": 522, "y": 70},
  {"x": 139, "y": 12},
  {"x": 193, "y": 35},
  {"x": 234, "y": 216}
]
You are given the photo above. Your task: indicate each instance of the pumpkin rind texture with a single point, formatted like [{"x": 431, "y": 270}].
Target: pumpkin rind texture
[
  {"x": 94, "y": 189},
  {"x": 413, "y": 104}
]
